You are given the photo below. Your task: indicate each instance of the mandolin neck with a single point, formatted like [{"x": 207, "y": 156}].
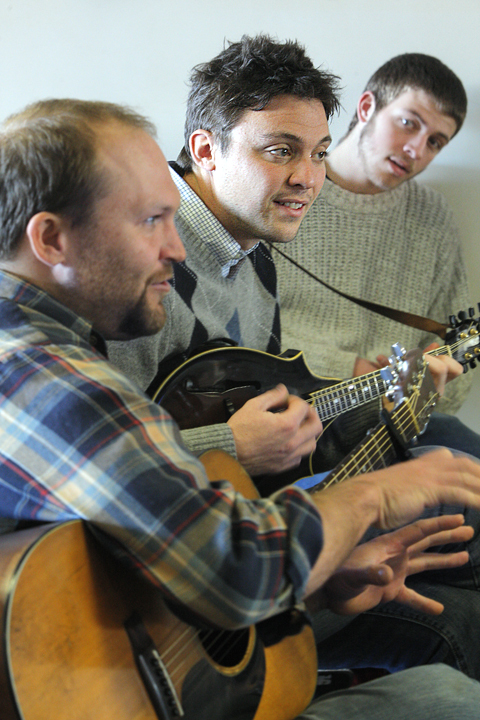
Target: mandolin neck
[{"x": 336, "y": 399}]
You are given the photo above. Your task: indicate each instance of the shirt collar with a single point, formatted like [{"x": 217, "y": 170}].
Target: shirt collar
[
  {"x": 195, "y": 213},
  {"x": 24, "y": 293}
]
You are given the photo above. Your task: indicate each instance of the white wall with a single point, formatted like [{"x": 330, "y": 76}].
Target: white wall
[{"x": 140, "y": 52}]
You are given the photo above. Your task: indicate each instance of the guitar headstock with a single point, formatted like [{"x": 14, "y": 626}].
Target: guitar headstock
[
  {"x": 413, "y": 385},
  {"x": 464, "y": 338}
]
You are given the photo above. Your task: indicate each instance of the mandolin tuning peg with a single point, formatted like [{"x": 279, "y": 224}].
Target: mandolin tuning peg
[
  {"x": 453, "y": 320},
  {"x": 462, "y": 315},
  {"x": 398, "y": 353},
  {"x": 471, "y": 312},
  {"x": 472, "y": 364}
]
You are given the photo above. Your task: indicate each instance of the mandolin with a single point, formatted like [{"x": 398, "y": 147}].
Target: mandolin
[{"x": 213, "y": 384}]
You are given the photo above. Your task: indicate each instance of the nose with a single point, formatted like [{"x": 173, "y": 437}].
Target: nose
[
  {"x": 415, "y": 145},
  {"x": 172, "y": 247},
  {"x": 306, "y": 174}
]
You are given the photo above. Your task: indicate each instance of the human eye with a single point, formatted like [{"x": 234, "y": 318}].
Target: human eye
[
  {"x": 407, "y": 122},
  {"x": 435, "y": 144},
  {"x": 321, "y": 155},
  {"x": 282, "y": 153},
  {"x": 152, "y": 220}
]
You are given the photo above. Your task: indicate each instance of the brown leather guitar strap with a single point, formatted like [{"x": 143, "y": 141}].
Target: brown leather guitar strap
[{"x": 406, "y": 318}]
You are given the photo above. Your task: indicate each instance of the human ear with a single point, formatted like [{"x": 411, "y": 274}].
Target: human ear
[
  {"x": 366, "y": 106},
  {"x": 47, "y": 239},
  {"x": 202, "y": 149}
]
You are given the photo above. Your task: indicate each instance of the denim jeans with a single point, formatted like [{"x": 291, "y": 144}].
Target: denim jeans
[
  {"x": 449, "y": 431},
  {"x": 435, "y": 692}
]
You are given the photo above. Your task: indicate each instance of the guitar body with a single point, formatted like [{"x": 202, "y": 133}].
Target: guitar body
[{"x": 76, "y": 625}]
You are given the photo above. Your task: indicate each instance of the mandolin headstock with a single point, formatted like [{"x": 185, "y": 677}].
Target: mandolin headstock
[{"x": 463, "y": 339}]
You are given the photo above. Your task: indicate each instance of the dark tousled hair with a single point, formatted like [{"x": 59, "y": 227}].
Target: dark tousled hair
[{"x": 247, "y": 75}]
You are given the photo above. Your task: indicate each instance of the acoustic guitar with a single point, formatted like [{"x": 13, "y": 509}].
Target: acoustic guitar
[{"x": 85, "y": 639}]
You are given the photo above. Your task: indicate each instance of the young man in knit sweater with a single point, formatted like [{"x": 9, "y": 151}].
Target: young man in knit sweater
[
  {"x": 377, "y": 234},
  {"x": 374, "y": 232},
  {"x": 256, "y": 137}
]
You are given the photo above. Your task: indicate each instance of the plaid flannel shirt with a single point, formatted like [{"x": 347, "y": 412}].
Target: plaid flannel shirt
[{"x": 79, "y": 441}]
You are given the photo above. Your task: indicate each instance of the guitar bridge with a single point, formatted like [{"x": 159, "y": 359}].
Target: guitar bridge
[{"x": 153, "y": 672}]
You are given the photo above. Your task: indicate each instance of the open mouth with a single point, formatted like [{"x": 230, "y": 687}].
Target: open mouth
[
  {"x": 292, "y": 208},
  {"x": 399, "y": 167}
]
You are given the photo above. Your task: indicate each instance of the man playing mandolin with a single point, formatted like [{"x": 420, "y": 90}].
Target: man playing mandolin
[{"x": 256, "y": 138}]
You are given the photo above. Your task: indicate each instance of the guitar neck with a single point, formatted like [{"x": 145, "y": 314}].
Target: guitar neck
[
  {"x": 380, "y": 447},
  {"x": 376, "y": 452},
  {"x": 336, "y": 399}
]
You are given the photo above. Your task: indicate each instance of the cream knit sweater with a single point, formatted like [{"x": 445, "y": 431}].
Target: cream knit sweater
[{"x": 398, "y": 248}]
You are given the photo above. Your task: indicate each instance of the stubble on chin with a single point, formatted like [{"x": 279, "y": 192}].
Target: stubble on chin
[{"x": 140, "y": 320}]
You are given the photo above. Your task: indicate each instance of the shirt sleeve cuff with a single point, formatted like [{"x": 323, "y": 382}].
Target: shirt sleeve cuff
[{"x": 208, "y": 437}]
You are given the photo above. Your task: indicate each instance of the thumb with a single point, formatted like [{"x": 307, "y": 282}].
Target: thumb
[{"x": 273, "y": 399}]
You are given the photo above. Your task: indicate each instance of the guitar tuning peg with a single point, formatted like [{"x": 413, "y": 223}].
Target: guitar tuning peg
[
  {"x": 471, "y": 312},
  {"x": 462, "y": 315},
  {"x": 472, "y": 364},
  {"x": 453, "y": 320}
]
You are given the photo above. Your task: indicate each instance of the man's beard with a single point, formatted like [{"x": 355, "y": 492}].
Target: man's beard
[{"x": 140, "y": 320}]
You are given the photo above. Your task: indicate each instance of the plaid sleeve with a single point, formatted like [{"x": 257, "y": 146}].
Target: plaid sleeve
[{"x": 78, "y": 441}]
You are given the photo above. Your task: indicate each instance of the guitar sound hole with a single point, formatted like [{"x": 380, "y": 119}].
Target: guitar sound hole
[{"x": 224, "y": 647}]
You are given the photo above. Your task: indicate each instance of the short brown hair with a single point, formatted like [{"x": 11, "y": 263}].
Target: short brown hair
[
  {"x": 48, "y": 162},
  {"x": 415, "y": 71}
]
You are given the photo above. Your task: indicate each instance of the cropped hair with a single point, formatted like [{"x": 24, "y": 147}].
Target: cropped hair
[
  {"x": 414, "y": 71},
  {"x": 48, "y": 162},
  {"x": 247, "y": 75}
]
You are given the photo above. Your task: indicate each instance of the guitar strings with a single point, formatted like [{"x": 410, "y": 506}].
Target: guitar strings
[
  {"x": 175, "y": 655},
  {"x": 382, "y": 442},
  {"x": 375, "y": 448}
]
